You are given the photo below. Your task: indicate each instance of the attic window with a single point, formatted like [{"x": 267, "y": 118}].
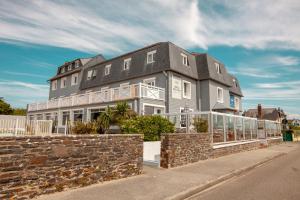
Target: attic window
[
  {"x": 185, "y": 60},
  {"x": 69, "y": 67},
  {"x": 107, "y": 70},
  {"x": 76, "y": 64},
  {"x": 234, "y": 82},
  {"x": 150, "y": 57},
  {"x": 126, "y": 64},
  {"x": 91, "y": 74},
  {"x": 62, "y": 70},
  {"x": 218, "y": 68}
]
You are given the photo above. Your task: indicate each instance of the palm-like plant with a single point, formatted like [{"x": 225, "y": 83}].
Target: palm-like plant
[{"x": 104, "y": 120}]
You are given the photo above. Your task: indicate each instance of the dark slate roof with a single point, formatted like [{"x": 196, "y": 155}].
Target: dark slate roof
[
  {"x": 93, "y": 61},
  {"x": 83, "y": 62},
  {"x": 138, "y": 66},
  {"x": 235, "y": 88},
  {"x": 267, "y": 113},
  {"x": 207, "y": 69},
  {"x": 167, "y": 57},
  {"x": 221, "y": 106}
]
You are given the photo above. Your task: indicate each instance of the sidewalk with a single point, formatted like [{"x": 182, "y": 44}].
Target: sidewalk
[{"x": 175, "y": 183}]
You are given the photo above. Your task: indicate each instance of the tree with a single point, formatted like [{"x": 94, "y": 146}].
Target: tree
[
  {"x": 5, "y": 108},
  {"x": 19, "y": 111}
]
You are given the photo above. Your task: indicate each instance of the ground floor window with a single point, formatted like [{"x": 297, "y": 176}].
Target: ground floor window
[
  {"x": 152, "y": 109},
  {"x": 39, "y": 117},
  {"x": 183, "y": 118},
  {"x": 95, "y": 113},
  {"x": 65, "y": 117},
  {"x": 78, "y": 115}
]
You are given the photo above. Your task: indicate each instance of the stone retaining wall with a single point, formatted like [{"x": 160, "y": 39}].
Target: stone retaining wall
[
  {"x": 179, "y": 149},
  {"x": 235, "y": 148},
  {"x": 35, "y": 165}
]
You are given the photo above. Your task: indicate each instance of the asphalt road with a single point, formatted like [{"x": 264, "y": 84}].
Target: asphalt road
[{"x": 277, "y": 180}]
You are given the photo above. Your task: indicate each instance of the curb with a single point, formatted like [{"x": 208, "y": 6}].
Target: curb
[{"x": 197, "y": 189}]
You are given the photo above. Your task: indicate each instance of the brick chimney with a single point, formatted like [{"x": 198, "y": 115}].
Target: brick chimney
[{"x": 259, "y": 111}]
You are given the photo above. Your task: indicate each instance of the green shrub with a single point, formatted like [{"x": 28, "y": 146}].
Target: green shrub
[
  {"x": 201, "y": 125},
  {"x": 151, "y": 126}
]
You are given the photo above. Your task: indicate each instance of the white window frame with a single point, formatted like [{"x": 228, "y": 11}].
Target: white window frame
[
  {"x": 180, "y": 109},
  {"x": 73, "y": 79},
  {"x": 151, "y": 53},
  {"x": 76, "y": 63},
  {"x": 94, "y": 74},
  {"x": 62, "y": 81},
  {"x": 107, "y": 69},
  {"x": 54, "y": 85},
  {"x": 69, "y": 67},
  {"x": 189, "y": 94},
  {"x": 185, "y": 59},
  {"x": 126, "y": 64},
  {"x": 150, "y": 80},
  {"x": 236, "y": 103},
  {"x": 218, "y": 68},
  {"x": 89, "y": 74},
  {"x": 155, "y": 106},
  {"x": 73, "y": 112},
  {"x": 221, "y": 100}
]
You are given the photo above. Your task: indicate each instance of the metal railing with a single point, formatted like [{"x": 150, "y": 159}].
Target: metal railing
[
  {"x": 224, "y": 127},
  {"x": 125, "y": 92},
  {"x": 13, "y": 127}
]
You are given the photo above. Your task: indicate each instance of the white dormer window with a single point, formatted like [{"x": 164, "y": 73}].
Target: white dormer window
[
  {"x": 63, "y": 82},
  {"x": 234, "y": 82},
  {"x": 220, "y": 95},
  {"x": 218, "y": 68},
  {"x": 94, "y": 73},
  {"x": 150, "y": 57},
  {"x": 77, "y": 64},
  {"x": 107, "y": 70},
  {"x": 62, "y": 70},
  {"x": 185, "y": 60},
  {"x": 126, "y": 64},
  {"x": 69, "y": 67},
  {"x": 89, "y": 74},
  {"x": 54, "y": 85},
  {"x": 74, "y": 79}
]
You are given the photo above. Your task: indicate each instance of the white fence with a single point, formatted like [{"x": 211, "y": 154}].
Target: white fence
[
  {"x": 225, "y": 127},
  {"x": 20, "y": 126}
]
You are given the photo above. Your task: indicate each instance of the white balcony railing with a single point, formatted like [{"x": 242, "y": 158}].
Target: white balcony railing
[{"x": 140, "y": 90}]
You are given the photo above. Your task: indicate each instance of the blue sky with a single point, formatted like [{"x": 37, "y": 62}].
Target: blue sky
[{"x": 258, "y": 41}]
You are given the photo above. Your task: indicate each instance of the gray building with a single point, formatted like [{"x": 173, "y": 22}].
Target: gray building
[{"x": 160, "y": 78}]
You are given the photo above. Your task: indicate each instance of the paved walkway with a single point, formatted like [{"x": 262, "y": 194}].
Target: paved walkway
[{"x": 174, "y": 183}]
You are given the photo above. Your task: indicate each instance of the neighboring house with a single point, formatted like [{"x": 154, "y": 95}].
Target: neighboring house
[
  {"x": 295, "y": 122},
  {"x": 274, "y": 114},
  {"x": 160, "y": 78}
]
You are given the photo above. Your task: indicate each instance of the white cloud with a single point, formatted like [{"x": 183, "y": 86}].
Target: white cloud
[
  {"x": 117, "y": 26},
  {"x": 293, "y": 116},
  {"x": 20, "y": 93},
  {"x": 255, "y": 72},
  {"x": 25, "y": 74},
  {"x": 286, "y": 60},
  {"x": 253, "y": 24},
  {"x": 289, "y": 90}
]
